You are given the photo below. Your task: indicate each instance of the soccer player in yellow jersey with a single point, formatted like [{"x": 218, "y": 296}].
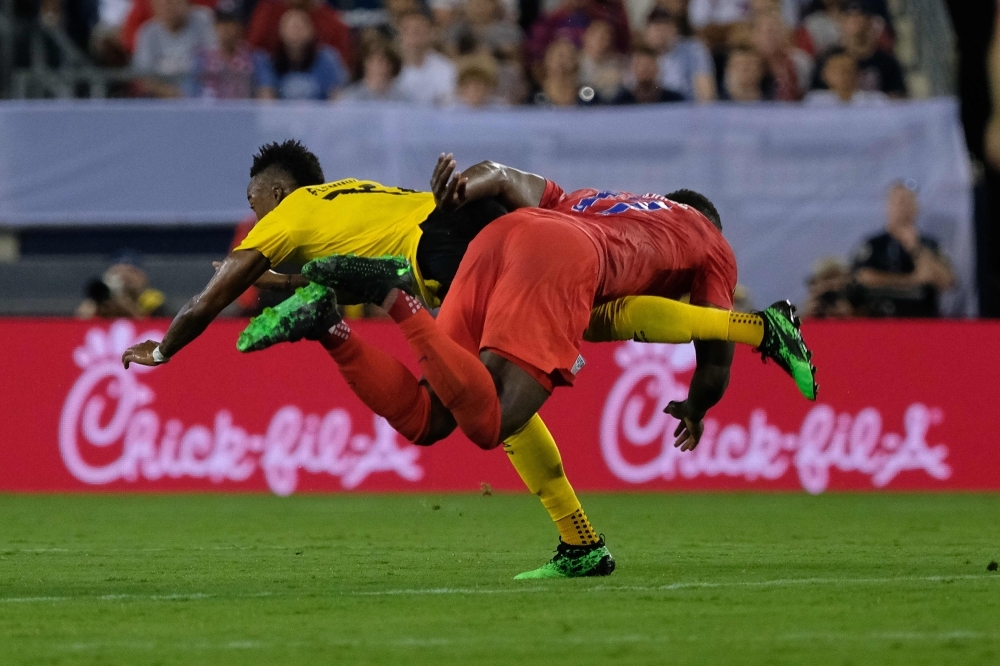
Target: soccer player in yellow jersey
[{"x": 302, "y": 218}]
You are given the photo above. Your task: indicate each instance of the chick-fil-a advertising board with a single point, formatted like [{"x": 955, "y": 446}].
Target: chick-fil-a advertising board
[{"x": 902, "y": 406}]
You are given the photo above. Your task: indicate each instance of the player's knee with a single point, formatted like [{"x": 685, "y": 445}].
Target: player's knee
[
  {"x": 426, "y": 440},
  {"x": 486, "y": 443},
  {"x": 440, "y": 423}
]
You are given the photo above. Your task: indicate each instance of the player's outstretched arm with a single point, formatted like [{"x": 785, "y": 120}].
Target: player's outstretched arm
[
  {"x": 711, "y": 377},
  {"x": 236, "y": 274},
  {"x": 513, "y": 187},
  {"x": 273, "y": 281}
]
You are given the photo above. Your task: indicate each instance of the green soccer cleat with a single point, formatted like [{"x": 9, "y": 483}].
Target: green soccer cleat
[
  {"x": 574, "y": 562},
  {"x": 784, "y": 345},
  {"x": 308, "y": 313},
  {"x": 368, "y": 278}
]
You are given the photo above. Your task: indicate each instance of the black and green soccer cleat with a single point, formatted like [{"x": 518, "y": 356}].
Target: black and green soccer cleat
[
  {"x": 308, "y": 313},
  {"x": 574, "y": 562},
  {"x": 784, "y": 345},
  {"x": 368, "y": 278}
]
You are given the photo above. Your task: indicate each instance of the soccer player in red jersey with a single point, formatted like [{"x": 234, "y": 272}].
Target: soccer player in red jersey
[{"x": 510, "y": 330}]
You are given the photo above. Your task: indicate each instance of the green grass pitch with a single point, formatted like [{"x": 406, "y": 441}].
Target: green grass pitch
[{"x": 417, "y": 579}]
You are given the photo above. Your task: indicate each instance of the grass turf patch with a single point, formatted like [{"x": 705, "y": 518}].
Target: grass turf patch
[{"x": 701, "y": 579}]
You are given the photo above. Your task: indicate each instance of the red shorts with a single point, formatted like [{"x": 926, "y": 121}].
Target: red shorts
[{"x": 524, "y": 290}]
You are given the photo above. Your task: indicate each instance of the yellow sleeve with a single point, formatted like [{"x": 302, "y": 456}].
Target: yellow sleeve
[{"x": 271, "y": 238}]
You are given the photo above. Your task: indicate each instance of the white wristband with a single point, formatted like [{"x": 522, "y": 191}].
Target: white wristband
[{"x": 158, "y": 355}]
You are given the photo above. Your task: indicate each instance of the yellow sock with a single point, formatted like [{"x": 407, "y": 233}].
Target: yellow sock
[
  {"x": 655, "y": 319},
  {"x": 576, "y": 530},
  {"x": 535, "y": 456},
  {"x": 746, "y": 328}
]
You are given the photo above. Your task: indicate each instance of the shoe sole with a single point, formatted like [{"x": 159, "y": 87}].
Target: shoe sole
[
  {"x": 345, "y": 270},
  {"x": 283, "y": 323},
  {"x": 806, "y": 383}
]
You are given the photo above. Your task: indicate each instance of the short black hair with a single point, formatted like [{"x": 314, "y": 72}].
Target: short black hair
[
  {"x": 291, "y": 157},
  {"x": 700, "y": 203}
]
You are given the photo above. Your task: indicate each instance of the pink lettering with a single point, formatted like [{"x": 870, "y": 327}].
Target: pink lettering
[
  {"x": 110, "y": 407},
  {"x": 826, "y": 440}
]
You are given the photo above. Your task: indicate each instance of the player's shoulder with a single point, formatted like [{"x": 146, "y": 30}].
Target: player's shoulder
[{"x": 581, "y": 194}]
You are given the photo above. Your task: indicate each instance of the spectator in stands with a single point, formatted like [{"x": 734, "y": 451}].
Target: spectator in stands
[
  {"x": 714, "y": 20},
  {"x": 477, "y": 83},
  {"x": 123, "y": 291},
  {"x": 168, "y": 45},
  {"x": 570, "y": 21},
  {"x": 329, "y": 28},
  {"x": 141, "y": 12},
  {"x": 991, "y": 136},
  {"x": 482, "y": 30},
  {"x": 302, "y": 68},
  {"x": 902, "y": 272},
  {"x": 482, "y": 23},
  {"x": 821, "y": 30},
  {"x": 744, "y": 76},
  {"x": 829, "y": 288},
  {"x": 226, "y": 72},
  {"x": 788, "y": 69},
  {"x": 822, "y": 26},
  {"x": 380, "y": 67},
  {"x": 427, "y": 76},
  {"x": 397, "y": 9},
  {"x": 877, "y": 69},
  {"x": 839, "y": 73},
  {"x": 685, "y": 64},
  {"x": 559, "y": 85},
  {"x": 601, "y": 67},
  {"x": 646, "y": 89},
  {"x": 106, "y": 45}
]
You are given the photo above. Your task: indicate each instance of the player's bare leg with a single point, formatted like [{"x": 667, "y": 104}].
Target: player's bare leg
[{"x": 581, "y": 551}]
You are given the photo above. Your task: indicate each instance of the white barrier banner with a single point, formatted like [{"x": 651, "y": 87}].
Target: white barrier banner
[{"x": 792, "y": 183}]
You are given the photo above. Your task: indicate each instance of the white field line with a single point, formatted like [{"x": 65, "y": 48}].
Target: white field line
[
  {"x": 583, "y": 639},
  {"x": 7, "y": 550},
  {"x": 194, "y": 596},
  {"x": 780, "y": 582}
]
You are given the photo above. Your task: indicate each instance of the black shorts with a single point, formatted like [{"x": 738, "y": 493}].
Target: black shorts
[{"x": 446, "y": 237}]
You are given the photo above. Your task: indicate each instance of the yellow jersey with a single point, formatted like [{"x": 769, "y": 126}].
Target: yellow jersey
[{"x": 349, "y": 216}]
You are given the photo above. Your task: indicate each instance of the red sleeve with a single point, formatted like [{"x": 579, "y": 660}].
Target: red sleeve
[
  {"x": 552, "y": 196},
  {"x": 263, "y": 31},
  {"x": 141, "y": 12},
  {"x": 803, "y": 40},
  {"x": 715, "y": 283}
]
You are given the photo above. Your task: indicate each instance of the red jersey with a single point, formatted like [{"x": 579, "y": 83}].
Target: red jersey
[{"x": 650, "y": 245}]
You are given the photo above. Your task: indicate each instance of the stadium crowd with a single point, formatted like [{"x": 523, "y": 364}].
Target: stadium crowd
[{"x": 486, "y": 53}]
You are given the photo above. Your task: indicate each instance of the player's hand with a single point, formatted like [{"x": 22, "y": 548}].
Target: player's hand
[
  {"x": 689, "y": 430},
  {"x": 141, "y": 353},
  {"x": 448, "y": 184}
]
